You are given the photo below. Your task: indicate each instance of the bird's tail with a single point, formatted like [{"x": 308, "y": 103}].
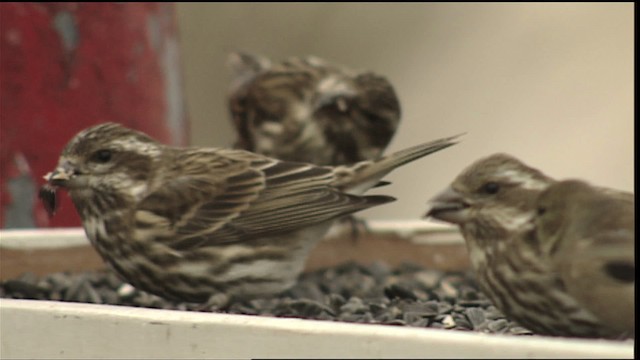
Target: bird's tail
[{"x": 360, "y": 177}]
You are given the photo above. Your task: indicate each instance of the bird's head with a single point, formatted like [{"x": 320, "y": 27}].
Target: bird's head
[
  {"x": 107, "y": 158},
  {"x": 491, "y": 197}
]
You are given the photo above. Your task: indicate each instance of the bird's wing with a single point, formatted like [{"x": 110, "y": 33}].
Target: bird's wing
[
  {"x": 241, "y": 202},
  {"x": 610, "y": 254}
]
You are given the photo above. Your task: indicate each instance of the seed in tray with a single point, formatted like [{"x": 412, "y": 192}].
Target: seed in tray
[
  {"x": 350, "y": 292},
  {"x": 47, "y": 195}
]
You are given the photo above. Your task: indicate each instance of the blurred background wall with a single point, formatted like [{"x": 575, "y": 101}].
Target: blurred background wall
[
  {"x": 551, "y": 83},
  {"x": 65, "y": 66}
]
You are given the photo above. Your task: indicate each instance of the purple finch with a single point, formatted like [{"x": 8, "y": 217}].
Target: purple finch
[
  {"x": 308, "y": 110},
  {"x": 493, "y": 201},
  {"x": 202, "y": 224}
]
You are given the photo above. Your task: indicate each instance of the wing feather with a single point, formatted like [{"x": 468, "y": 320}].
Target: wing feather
[{"x": 263, "y": 197}]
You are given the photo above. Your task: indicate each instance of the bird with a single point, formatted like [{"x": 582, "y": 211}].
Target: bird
[
  {"x": 306, "y": 109},
  {"x": 208, "y": 225},
  {"x": 493, "y": 202},
  {"x": 587, "y": 233}
]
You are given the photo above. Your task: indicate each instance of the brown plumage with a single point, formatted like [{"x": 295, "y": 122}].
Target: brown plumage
[
  {"x": 195, "y": 223},
  {"x": 588, "y": 236},
  {"x": 308, "y": 110},
  {"x": 493, "y": 201}
]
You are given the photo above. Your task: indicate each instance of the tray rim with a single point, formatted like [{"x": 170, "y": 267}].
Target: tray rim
[{"x": 354, "y": 340}]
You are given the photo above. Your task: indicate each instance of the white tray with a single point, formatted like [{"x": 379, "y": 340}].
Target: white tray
[{"x": 50, "y": 329}]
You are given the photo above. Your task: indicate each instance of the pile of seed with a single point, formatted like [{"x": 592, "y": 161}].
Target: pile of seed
[{"x": 376, "y": 294}]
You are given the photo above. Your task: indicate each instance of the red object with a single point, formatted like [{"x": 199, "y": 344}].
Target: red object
[{"x": 67, "y": 66}]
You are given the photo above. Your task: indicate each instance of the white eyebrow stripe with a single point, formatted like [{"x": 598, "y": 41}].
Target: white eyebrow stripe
[
  {"x": 525, "y": 180},
  {"x": 132, "y": 144}
]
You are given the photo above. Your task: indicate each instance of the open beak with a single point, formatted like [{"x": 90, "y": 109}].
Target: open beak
[{"x": 449, "y": 206}]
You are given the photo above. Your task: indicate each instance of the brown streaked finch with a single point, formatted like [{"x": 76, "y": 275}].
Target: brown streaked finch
[
  {"x": 208, "y": 224},
  {"x": 587, "y": 234},
  {"x": 306, "y": 109},
  {"x": 493, "y": 202}
]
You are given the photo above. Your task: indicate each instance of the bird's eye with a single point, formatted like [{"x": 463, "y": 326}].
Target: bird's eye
[
  {"x": 491, "y": 188},
  {"x": 102, "y": 156},
  {"x": 541, "y": 210}
]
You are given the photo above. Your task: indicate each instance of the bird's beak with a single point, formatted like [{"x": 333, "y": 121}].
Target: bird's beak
[
  {"x": 449, "y": 206},
  {"x": 61, "y": 175}
]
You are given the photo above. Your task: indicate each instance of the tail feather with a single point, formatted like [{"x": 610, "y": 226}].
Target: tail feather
[
  {"x": 402, "y": 157},
  {"x": 360, "y": 177}
]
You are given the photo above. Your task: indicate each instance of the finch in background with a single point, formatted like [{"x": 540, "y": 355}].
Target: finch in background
[
  {"x": 493, "y": 201},
  {"x": 308, "y": 110},
  {"x": 208, "y": 224},
  {"x": 588, "y": 236}
]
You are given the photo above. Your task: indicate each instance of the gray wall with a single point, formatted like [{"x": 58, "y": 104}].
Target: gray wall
[{"x": 550, "y": 83}]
